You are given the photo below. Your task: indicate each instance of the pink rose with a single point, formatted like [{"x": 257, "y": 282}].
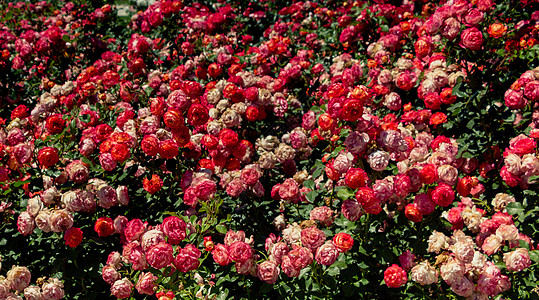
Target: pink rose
[
  {"x": 452, "y": 271},
  {"x": 150, "y": 238},
  {"x": 77, "y": 171},
  {"x": 107, "y": 162},
  {"x": 517, "y": 260},
  {"x": 250, "y": 176},
  {"x": 109, "y": 274},
  {"x": 174, "y": 229},
  {"x": 220, "y": 254},
  {"x": 531, "y": 90},
  {"x": 235, "y": 187},
  {"x": 134, "y": 254},
  {"x": 146, "y": 283},
  {"x": 160, "y": 255},
  {"x": 268, "y": 271},
  {"x": 234, "y": 236},
  {"x": 107, "y": 196},
  {"x": 514, "y": 99},
  {"x": 297, "y": 259},
  {"x": 25, "y": 223},
  {"x": 277, "y": 252},
  {"x": 322, "y": 214},
  {"x": 122, "y": 195},
  {"x": 19, "y": 278},
  {"x": 122, "y": 288},
  {"x": 134, "y": 229},
  {"x": 471, "y": 38},
  {"x": 424, "y": 204},
  {"x": 187, "y": 258},
  {"x": 53, "y": 289},
  {"x": 492, "y": 244},
  {"x": 240, "y": 251},
  {"x": 406, "y": 260},
  {"x": 205, "y": 188},
  {"x": 312, "y": 238},
  {"x": 246, "y": 267},
  {"x": 61, "y": 220},
  {"x": 462, "y": 286},
  {"x": 289, "y": 190},
  {"x": 327, "y": 254}
]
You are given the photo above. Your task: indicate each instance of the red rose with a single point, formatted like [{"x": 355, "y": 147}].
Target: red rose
[
  {"x": 252, "y": 113},
  {"x": 443, "y": 195},
  {"x": 405, "y": 81},
  {"x": 365, "y": 196},
  {"x": 173, "y": 119},
  {"x": 429, "y": 174},
  {"x": 325, "y": 122},
  {"x": 168, "y": 149},
  {"x": 214, "y": 70},
  {"x": 209, "y": 141},
  {"x": 523, "y": 146},
  {"x": 423, "y": 46},
  {"x": 55, "y": 124},
  {"x": 120, "y": 152},
  {"x": 160, "y": 255},
  {"x": 197, "y": 114},
  {"x": 466, "y": 184},
  {"x": 47, "y": 156},
  {"x": 104, "y": 226},
  {"x": 192, "y": 89},
  {"x": 395, "y": 276},
  {"x": 343, "y": 241},
  {"x": 73, "y": 237},
  {"x": 153, "y": 185},
  {"x": 352, "y": 110},
  {"x": 157, "y": 106},
  {"x": 412, "y": 213},
  {"x": 433, "y": 101},
  {"x": 20, "y": 112},
  {"x": 228, "y": 137},
  {"x": 150, "y": 145},
  {"x": 356, "y": 178},
  {"x": 447, "y": 97}
]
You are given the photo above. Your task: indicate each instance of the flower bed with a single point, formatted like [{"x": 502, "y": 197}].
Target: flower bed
[{"x": 269, "y": 150}]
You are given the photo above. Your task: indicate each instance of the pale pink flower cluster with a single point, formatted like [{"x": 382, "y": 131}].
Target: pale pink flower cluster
[
  {"x": 17, "y": 282},
  {"x": 54, "y": 211}
]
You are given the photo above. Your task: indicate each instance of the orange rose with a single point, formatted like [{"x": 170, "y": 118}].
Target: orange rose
[{"x": 497, "y": 30}]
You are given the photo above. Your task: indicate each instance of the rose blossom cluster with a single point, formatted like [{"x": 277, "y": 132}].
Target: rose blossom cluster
[
  {"x": 146, "y": 246},
  {"x": 17, "y": 284},
  {"x": 51, "y": 210},
  {"x": 523, "y": 91},
  {"x": 520, "y": 162},
  {"x": 295, "y": 250},
  {"x": 465, "y": 263}
]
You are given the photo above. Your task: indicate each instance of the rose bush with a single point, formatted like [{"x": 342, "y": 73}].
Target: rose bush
[{"x": 269, "y": 150}]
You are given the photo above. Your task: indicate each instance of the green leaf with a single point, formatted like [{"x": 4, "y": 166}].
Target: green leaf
[
  {"x": 221, "y": 228},
  {"x": 345, "y": 193},
  {"x": 311, "y": 196},
  {"x": 534, "y": 255},
  {"x": 309, "y": 184},
  {"x": 515, "y": 208},
  {"x": 20, "y": 183}
]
